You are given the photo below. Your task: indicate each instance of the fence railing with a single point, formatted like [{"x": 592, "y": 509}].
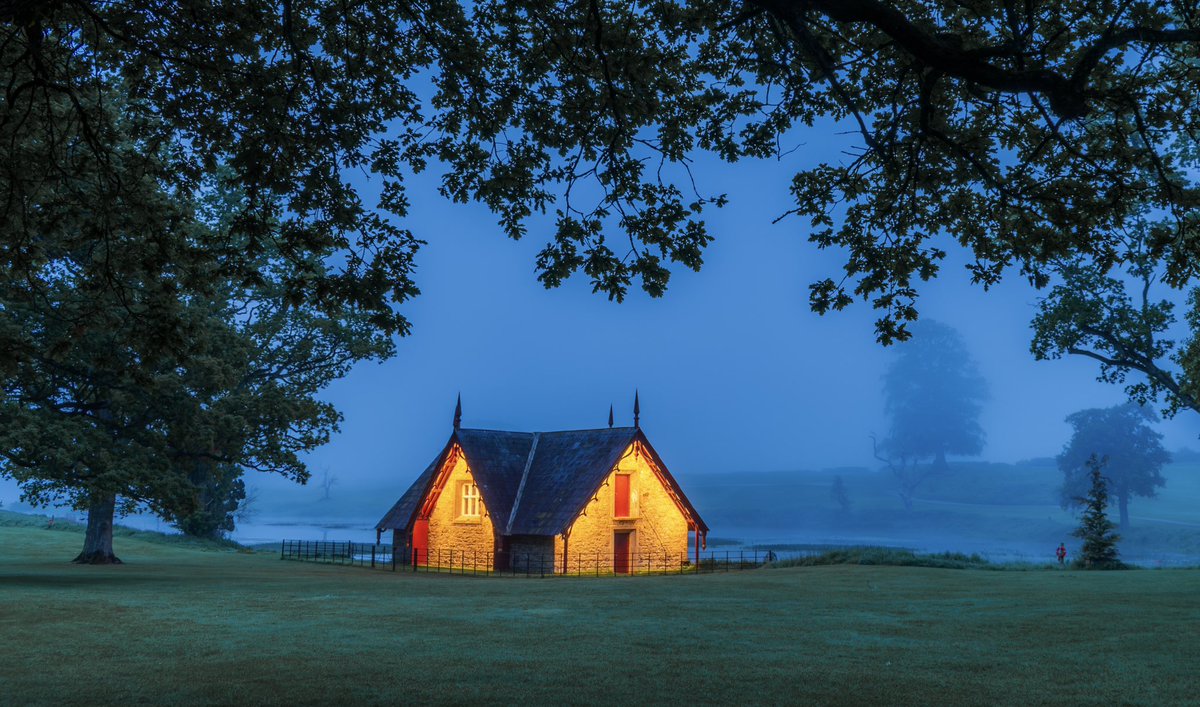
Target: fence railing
[{"x": 521, "y": 564}]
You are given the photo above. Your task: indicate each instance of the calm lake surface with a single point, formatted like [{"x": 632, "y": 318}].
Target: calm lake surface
[{"x": 271, "y": 531}]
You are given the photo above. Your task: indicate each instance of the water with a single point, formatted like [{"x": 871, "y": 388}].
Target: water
[
  {"x": 270, "y": 531},
  {"x": 273, "y": 530}
]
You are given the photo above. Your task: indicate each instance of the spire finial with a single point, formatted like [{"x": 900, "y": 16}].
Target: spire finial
[
  {"x": 458, "y": 412},
  {"x": 610, "y": 417},
  {"x": 637, "y": 410}
]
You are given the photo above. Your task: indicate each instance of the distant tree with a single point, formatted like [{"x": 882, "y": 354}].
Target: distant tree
[
  {"x": 248, "y": 507},
  {"x": 328, "y": 481},
  {"x": 1099, "y": 549},
  {"x": 907, "y": 471},
  {"x": 933, "y": 395},
  {"x": 838, "y": 493},
  {"x": 1133, "y": 450}
]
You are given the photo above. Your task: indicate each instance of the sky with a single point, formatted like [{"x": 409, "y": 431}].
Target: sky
[{"x": 735, "y": 373}]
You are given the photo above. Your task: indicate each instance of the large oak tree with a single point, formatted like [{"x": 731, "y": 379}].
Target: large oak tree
[{"x": 139, "y": 365}]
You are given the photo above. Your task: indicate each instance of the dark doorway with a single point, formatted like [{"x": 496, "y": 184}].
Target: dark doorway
[{"x": 621, "y": 552}]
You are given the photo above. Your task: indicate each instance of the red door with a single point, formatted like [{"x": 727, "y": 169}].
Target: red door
[
  {"x": 421, "y": 541},
  {"x": 621, "y": 553}
]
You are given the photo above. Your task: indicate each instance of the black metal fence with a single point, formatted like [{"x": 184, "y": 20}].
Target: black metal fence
[{"x": 522, "y": 564}]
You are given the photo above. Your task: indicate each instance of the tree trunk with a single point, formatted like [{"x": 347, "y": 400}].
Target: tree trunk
[
  {"x": 97, "y": 542},
  {"x": 1123, "y": 504}
]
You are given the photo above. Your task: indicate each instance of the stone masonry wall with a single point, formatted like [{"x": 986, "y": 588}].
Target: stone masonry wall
[
  {"x": 659, "y": 528},
  {"x": 449, "y": 530}
]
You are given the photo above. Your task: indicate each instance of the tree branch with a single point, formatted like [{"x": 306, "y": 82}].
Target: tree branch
[{"x": 1067, "y": 94}]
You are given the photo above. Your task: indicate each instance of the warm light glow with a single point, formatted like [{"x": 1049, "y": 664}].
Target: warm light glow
[{"x": 470, "y": 501}]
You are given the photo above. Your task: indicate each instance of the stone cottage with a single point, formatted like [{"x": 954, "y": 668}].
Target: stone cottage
[{"x": 551, "y": 501}]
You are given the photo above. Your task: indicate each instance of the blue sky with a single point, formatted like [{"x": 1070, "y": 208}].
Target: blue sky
[{"x": 735, "y": 371}]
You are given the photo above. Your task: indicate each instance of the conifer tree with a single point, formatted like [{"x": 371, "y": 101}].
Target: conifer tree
[{"x": 1095, "y": 529}]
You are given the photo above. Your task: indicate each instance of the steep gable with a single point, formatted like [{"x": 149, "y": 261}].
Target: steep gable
[
  {"x": 497, "y": 460},
  {"x": 566, "y": 471}
]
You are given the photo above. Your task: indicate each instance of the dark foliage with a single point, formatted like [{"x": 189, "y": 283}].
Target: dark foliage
[
  {"x": 1099, "y": 551},
  {"x": 220, "y": 492},
  {"x": 1133, "y": 449},
  {"x": 1024, "y": 132}
]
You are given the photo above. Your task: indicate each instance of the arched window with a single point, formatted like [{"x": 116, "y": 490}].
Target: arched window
[{"x": 471, "y": 506}]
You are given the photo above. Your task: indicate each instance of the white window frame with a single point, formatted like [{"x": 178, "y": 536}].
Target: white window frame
[{"x": 470, "y": 503}]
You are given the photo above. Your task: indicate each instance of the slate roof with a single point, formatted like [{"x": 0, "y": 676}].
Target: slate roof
[
  {"x": 546, "y": 476},
  {"x": 566, "y": 471}
]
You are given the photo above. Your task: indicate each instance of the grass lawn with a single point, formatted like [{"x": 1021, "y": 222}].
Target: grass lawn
[{"x": 179, "y": 624}]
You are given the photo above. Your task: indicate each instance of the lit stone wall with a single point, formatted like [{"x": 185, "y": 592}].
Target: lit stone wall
[
  {"x": 448, "y": 530},
  {"x": 660, "y": 530}
]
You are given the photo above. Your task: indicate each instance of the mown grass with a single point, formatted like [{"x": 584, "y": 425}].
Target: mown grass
[{"x": 177, "y": 625}]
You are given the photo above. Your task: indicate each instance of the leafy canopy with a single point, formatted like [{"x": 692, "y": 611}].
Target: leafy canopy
[
  {"x": 138, "y": 361},
  {"x": 1025, "y": 132},
  {"x": 1125, "y": 322}
]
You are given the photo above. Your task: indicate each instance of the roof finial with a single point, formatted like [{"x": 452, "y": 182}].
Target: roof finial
[
  {"x": 637, "y": 410},
  {"x": 610, "y": 417},
  {"x": 458, "y": 412}
]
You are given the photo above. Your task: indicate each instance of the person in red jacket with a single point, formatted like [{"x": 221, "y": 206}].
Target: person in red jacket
[{"x": 1061, "y": 553}]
